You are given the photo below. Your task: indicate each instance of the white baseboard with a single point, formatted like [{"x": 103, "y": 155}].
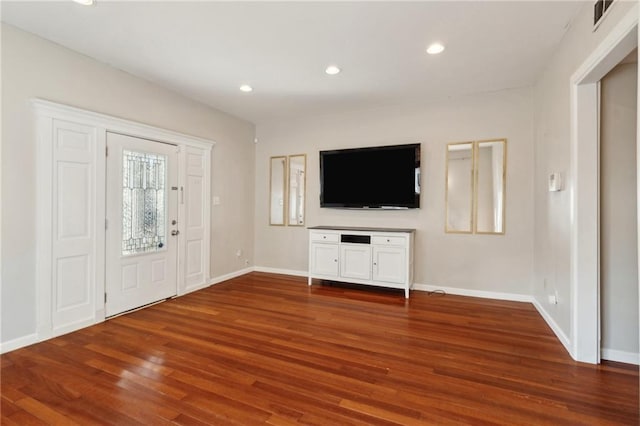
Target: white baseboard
[
  {"x": 554, "y": 327},
  {"x": 281, "y": 271},
  {"x": 30, "y": 339},
  {"x": 230, "y": 275},
  {"x": 613, "y": 355},
  {"x": 620, "y": 356},
  {"x": 562, "y": 337},
  {"x": 18, "y": 343},
  {"x": 514, "y": 297}
]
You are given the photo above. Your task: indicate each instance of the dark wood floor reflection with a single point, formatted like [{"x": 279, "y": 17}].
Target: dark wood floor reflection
[{"x": 267, "y": 349}]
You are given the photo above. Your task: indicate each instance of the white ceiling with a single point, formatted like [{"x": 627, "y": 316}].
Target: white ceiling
[{"x": 206, "y": 50}]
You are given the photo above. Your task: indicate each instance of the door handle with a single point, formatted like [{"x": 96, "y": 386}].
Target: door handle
[{"x": 175, "y": 232}]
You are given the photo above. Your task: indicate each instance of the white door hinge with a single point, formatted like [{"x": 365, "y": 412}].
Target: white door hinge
[
  {"x": 105, "y": 298},
  {"x": 106, "y": 151}
]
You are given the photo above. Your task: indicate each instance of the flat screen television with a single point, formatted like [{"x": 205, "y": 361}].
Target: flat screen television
[{"x": 381, "y": 177}]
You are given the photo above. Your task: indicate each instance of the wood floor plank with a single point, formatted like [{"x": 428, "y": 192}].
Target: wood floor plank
[
  {"x": 268, "y": 349},
  {"x": 43, "y": 412}
]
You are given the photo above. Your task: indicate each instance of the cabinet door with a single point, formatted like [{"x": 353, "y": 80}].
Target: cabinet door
[
  {"x": 389, "y": 264},
  {"x": 324, "y": 259},
  {"x": 355, "y": 261}
]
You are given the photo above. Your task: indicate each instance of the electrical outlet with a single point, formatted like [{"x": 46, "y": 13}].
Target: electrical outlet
[
  {"x": 553, "y": 300},
  {"x": 239, "y": 253}
]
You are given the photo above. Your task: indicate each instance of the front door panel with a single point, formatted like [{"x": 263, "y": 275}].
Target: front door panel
[{"x": 142, "y": 230}]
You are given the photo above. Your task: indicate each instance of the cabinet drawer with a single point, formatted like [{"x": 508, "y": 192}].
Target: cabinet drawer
[
  {"x": 325, "y": 236},
  {"x": 383, "y": 240}
]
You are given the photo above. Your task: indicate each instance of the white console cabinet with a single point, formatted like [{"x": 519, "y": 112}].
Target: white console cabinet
[{"x": 372, "y": 256}]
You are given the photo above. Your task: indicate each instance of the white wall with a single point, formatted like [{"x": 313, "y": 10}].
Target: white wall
[
  {"x": 33, "y": 67},
  {"x": 552, "y": 154},
  {"x": 476, "y": 262},
  {"x": 619, "y": 213}
]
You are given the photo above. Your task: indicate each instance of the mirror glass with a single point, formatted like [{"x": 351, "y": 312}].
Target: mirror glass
[
  {"x": 459, "y": 187},
  {"x": 490, "y": 186},
  {"x": 297, "y": 186},
  {"x": 278, "y": 178}
]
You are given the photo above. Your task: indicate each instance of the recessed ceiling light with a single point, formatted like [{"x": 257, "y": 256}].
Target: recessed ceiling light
[
  {"x": 332, "y": 70},
  {"x": 85, "y": 2},
  {"x": 435, "y": 48},
  {"x": 246, "y": 88}
]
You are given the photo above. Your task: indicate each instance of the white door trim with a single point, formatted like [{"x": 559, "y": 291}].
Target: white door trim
[
  {"x": 583, "y": 187},
  {"x": 118, "y": 125},
  {"x": 46, "y": 113}
]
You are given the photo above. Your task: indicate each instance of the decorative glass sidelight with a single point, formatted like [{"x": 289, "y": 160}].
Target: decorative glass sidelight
[{"x": 143, "y": 202}]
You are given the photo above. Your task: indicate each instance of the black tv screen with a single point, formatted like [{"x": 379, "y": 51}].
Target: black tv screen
[{"x": 384, "y": 177}]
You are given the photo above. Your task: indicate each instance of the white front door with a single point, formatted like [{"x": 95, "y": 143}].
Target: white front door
[{"x": 142, "y": 217}]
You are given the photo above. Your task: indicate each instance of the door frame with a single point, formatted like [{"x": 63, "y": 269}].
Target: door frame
[
  {"x": 584, "y": 186},
  {"x": 46, "y": 114}
]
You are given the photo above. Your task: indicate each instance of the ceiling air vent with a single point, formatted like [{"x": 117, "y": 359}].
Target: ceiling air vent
[{"x": 600, "y": 8}]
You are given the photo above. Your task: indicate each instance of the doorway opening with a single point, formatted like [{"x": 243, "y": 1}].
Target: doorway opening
[{"x": 619, "y": 329}]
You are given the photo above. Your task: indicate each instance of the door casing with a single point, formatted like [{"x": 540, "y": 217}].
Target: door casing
[
  {"x": 584, "y": 341},
  {"x": 194, "y": 160}
]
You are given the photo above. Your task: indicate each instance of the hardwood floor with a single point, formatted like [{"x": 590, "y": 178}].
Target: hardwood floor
[{"x": 267, "y": 349}]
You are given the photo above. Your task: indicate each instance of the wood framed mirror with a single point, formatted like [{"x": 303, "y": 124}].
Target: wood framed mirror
[
  {"x": 459, "y": 188},
  {"x": 297, "y": 189},
  {"x": 277, "y": 190},
  {"x": 490, "y": 160},
  {"x": 475, "y": 187}
]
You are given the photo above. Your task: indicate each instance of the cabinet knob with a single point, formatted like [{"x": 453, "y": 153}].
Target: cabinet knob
[
  {"x": 374, "y": 263},
  {"x": 335, "y": 260},
  {"x": 388, "y": 240}
]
